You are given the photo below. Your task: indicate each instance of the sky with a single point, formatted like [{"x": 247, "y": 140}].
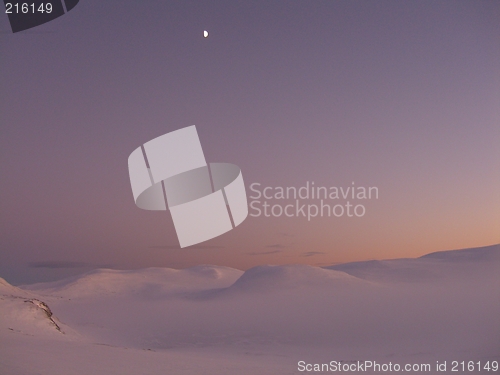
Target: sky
[{"x": 402, "y": 96}]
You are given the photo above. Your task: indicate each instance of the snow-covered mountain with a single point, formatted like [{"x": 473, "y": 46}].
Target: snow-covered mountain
[
  {"x": 218, "y": 320},
  {"x": 467, "y": 265}
]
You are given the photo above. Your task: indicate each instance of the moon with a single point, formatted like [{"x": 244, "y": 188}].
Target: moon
[{"x": 205, "y": 34}]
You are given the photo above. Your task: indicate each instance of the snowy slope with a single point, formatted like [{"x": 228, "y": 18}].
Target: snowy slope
[
  {"x": 467, "y": 265},
  {"x": 150, "y": 281},
  {"x": 218, "y": 320}
]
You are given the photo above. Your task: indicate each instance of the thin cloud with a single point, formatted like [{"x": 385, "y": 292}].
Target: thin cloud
[
  {"x": 65, "y": 264},
  {"x": 312, "y": 253},
  {"x": 266, "y": 252},
  {"x": 277, "y": 246}
]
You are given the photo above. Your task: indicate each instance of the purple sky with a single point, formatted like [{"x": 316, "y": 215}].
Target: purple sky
[{"x": 404, "y": 96}]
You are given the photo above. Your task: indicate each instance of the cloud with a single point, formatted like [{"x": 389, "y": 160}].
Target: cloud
[
  {"x": 266, "y": 252},
  {"x": 312, "y": 253},
  {"x": 277, "y": 246},
  {"x": 177, "y": 247},
  {"x": 65, "y": 264}
]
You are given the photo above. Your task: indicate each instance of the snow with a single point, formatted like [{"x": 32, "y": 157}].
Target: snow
[
  {"x": 218, "y": 320},
  {"x": 148, "y": 281}
]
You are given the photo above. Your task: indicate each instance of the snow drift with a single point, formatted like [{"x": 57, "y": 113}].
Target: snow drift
[{"x": 218, "y": 320}]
